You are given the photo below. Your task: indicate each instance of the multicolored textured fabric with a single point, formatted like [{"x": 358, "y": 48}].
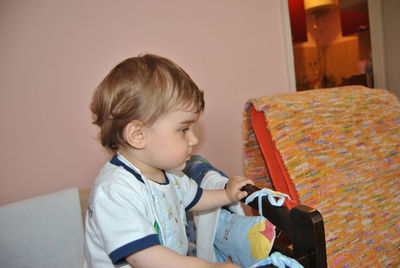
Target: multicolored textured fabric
[
  {"x": 254, "y": 166},
  {"x": 341, "y": 149}
]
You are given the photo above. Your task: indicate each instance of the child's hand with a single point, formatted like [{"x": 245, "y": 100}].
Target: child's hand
[{"x": 234, "y": 186}]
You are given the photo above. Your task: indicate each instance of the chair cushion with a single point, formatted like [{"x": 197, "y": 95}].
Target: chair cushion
[{"x": 45, "y": 231}]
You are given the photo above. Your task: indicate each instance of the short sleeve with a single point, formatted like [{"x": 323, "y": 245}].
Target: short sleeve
[
  {"x": 123, "y": 221},
  {"x": 191, "y": 191}
]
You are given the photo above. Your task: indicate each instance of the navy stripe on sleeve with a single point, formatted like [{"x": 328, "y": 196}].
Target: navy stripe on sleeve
[
  {"x": 118, "y": 256},
  {"x": 195, "y": 199}
]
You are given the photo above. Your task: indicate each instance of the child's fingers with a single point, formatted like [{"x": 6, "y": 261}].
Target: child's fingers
[
  {"x": 235, "y": 184},
  {"x": 243, "y": 194}
]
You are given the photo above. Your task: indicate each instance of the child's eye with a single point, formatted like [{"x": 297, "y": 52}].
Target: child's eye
[{"x": 184, "y": 130}]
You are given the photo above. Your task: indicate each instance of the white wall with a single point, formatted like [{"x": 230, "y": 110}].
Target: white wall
[
  {"x": 385, "y": 41},
  {"x": 391, "y": 33},
  {"x": 53, "y": 54}
]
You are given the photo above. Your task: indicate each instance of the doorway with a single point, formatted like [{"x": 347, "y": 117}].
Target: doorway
[{"x": 331, "y": 43}]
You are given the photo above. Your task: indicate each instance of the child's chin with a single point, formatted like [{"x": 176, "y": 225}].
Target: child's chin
[{"x": 181, "y": 167}]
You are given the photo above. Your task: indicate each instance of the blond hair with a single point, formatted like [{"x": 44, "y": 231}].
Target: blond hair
[{"x": 141, "y": 88}]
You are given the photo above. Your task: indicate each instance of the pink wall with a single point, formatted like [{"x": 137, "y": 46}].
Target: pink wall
[{"x": 54, "y": 53}]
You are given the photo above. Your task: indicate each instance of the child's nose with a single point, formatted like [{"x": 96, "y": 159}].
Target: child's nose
[{"x": 193, "y": 140}]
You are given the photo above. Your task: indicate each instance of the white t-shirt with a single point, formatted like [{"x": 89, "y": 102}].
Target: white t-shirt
[{"x": 128, "y": 213}]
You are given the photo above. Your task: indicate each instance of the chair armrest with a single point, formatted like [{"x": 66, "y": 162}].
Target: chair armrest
[
  {"x": 302, "y": 225},
  {"x": 308, "y": 234},
  {"x": 84, "y": 199}
]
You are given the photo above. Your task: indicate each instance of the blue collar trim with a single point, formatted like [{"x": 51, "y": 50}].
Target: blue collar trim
[{"x": 116, "y": 161}]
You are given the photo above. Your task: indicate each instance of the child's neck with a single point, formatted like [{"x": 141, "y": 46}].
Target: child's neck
[
  {"x": 151, "y": 173},
  {"x": 155, "y": 176}
]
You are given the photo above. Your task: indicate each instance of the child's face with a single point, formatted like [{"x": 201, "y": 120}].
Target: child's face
[{"x": 170, "y": 140}]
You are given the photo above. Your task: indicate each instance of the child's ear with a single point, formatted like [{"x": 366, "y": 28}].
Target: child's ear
[{"x": 134, "y": 133}]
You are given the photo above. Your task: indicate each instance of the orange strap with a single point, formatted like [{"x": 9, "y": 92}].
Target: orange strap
[{"x": 273, "y": 160}]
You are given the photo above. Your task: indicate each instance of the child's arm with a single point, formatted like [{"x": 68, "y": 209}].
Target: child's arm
[
  {"x": 218, "y": 198},
  {"x": 159, "y": 256}
]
